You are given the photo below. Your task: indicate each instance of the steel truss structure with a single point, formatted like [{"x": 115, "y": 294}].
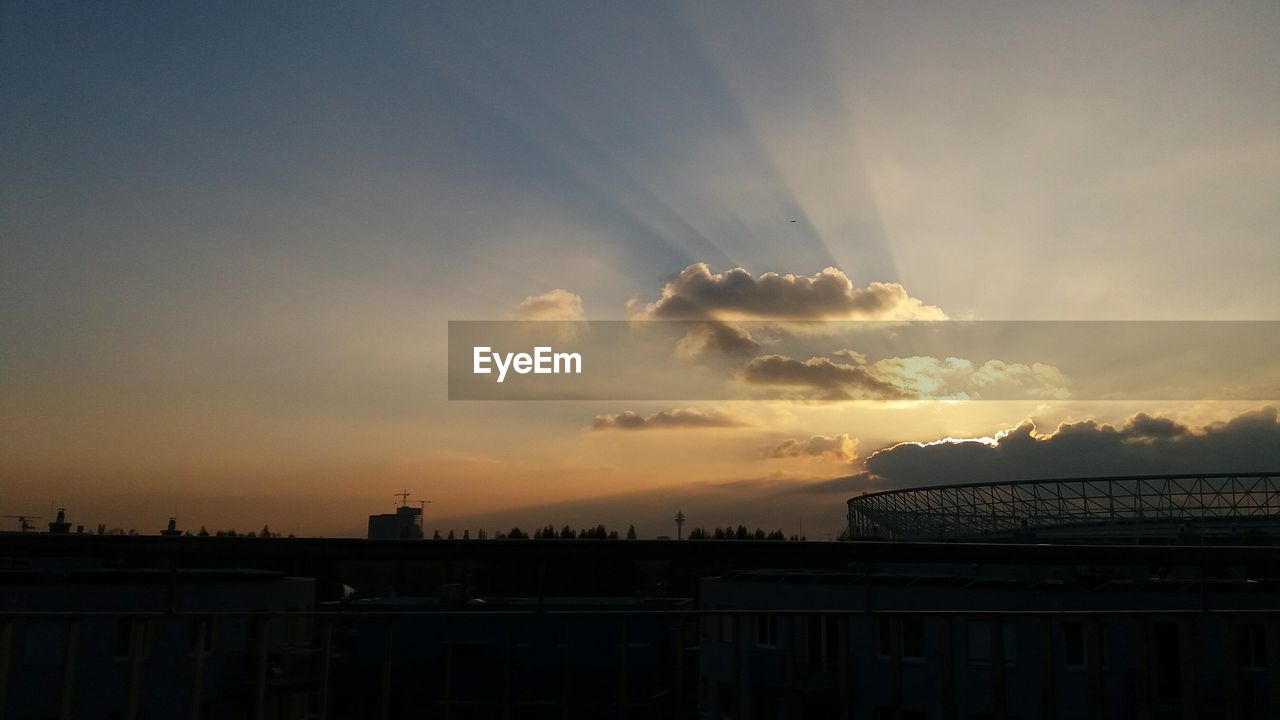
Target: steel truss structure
[{"x": 1146, "y": 505}]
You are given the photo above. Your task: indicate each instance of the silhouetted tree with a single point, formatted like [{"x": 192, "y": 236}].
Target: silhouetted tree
[
  {"x": 204, "y": 532},
  {"x": 613, "y": 534},
  {"x": 466, "y": 534},
  {"x": 481, "y": 535},
  {"x": 741, "y": 532},
  {"x": 631, "y": 532},
  {"x": 698, "y": 533},
  {"x": 451, "y": 535},
  {"x": 435, "y": 535},
  {"x": 516, "y": 534}
]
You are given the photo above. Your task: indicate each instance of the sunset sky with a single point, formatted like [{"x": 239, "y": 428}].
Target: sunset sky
[{"x": 231, "y": 240}]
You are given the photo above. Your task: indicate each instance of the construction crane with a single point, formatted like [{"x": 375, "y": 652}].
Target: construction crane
[{"x": 24, "y": 521}]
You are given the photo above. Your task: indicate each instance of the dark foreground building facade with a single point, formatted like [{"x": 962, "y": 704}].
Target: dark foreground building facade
[
  {"x": 976, "y": 642},
  {"x": 318, "y": 629}
]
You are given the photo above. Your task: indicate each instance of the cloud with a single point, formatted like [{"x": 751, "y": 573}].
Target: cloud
[
  {"x": 840, "y": 447},
  {"x": 716, "y": 337},
  {"x": 1143, "y": 425},
  {"x": 698, "y": 294},
  {"x": 552, "y": 305},
  {"x": 667, "y": 419},
  {"x": 851, "y": 356},
  {"x": 831, "y": 380},
  {"x": 1143, "y": 445},
  {"x": 916, "y": 377},
  {"x": 951, "y": 377}
]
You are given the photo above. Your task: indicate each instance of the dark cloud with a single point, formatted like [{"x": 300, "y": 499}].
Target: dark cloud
[
  {"x": 1144, "y": 445},
  {"x": 1143, "y": 425},
  {"x": 698, "y": 294},
  {"x": 906, "y": 378},
  {"x": 840, "y": 447},
  {"x": 832, "y": 380},
  {"x": 679, "y": 418},
  {"x": 716, "y": 337}
]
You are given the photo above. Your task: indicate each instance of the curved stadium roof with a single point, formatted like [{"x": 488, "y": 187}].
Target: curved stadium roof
[{"x": 1075, "y": 508}]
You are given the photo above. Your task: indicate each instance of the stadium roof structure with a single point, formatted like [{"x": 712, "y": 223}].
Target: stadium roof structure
[{"x": 1222, "y": 506}]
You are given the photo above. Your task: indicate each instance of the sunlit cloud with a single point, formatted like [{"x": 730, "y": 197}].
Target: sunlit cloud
[
  {"x": 699, "y": 294},
  {"x": 555, "y": 304}
]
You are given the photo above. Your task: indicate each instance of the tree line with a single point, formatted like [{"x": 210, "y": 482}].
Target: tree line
[{"x": 600, "y": 532}]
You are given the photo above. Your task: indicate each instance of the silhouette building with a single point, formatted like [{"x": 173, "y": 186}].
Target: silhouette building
[{"x": 403, "y": 524}]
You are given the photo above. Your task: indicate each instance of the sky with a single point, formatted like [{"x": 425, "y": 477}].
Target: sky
[{"x": 231, "y": 240}]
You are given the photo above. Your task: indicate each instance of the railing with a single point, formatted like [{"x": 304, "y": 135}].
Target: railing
[{"x": 634, "y": 663}]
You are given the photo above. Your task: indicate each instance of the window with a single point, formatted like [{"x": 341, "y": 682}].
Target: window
[
  {"x": 822, "y": 643},
  {"x": 1075, "y": 647},
  {"x": 980, "y": 642},
  {"x": 259, "y": 638},
  {"x": 131, "y": 637},
  {"x": 709, "y": 627},
  {"x": 43, "y": 643},
  {"x": 912, "y": 630},
  {"x": 297, "y": 628},
  {"x": 205, "y": 625},
  {"x": 1168, "y": 661},
  {"x": 910, "y": 637},
  {"x": 767, "y": 630},
  {"x": 1073, "y": 643},
  {"x": 1252, "y": 644}
]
